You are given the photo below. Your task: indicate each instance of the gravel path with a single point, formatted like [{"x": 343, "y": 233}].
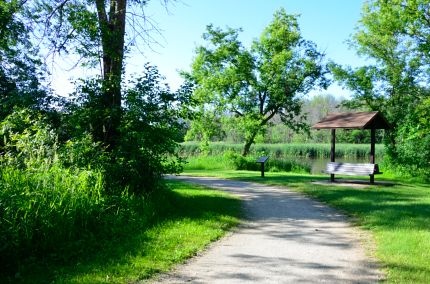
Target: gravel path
[{"x": 287, "y": 238}]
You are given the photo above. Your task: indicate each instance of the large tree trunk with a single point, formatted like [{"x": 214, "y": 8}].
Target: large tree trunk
[
  {"x": 112, "y": 27},
  {"x": 248, "y": 144}
]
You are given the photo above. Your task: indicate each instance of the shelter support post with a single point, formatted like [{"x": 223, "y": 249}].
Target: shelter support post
[
  {"x": 332, "y": 150},
  {"x": 372, "y": 151}
]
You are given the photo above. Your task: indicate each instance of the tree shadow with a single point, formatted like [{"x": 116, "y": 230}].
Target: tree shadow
[
  {"x": 388, "y": 204},
  {"x": 380, "y": 207}
]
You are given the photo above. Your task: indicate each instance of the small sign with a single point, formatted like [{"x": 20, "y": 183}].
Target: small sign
[{"x": 263, "y": 159}]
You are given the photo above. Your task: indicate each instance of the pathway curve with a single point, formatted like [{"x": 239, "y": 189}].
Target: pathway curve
[{"x": 287, "y": 238}]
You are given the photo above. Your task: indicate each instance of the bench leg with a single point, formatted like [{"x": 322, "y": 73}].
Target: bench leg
[
  {"x": 372, "y": 179},
  {"x": 332, "y": 177}
]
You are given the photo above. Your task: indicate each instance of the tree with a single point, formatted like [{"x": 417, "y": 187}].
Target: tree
[
  {"x": 20, "y": 69},
  {"x": 396, "y": 36},
  {"x": 94, "y": 30},
  {"x": 251, "y": 86},
  {"x": 150, "y": 130}
]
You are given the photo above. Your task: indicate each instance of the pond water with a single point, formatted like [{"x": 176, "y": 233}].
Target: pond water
[{"x": 318, "y": 165}]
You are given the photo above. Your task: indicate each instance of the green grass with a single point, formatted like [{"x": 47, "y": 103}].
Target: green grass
[
  {"x": 155, "y": 234},
  {"x": 309, "y": 150},
  {"x": 237, "y": 162},
  {"x": 398, "y": 216},
  {"x": 208, "y": 163}
]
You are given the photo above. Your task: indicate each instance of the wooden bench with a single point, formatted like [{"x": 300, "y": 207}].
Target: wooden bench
[{"x": 353, "y": 169}]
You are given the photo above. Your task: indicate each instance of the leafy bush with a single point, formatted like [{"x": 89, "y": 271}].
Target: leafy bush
[
  {"x": 242, "y": 163},
  {"x": 149, "y": 132}
]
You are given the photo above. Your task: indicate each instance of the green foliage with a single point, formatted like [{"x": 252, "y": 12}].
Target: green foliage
[
  {"x": 209, "y": 127},
  {"x": 20, "y": 69},
  {"x": 43, "y": 204},
  {"x": 234, "y": 161},
  {"x": 250, "y": 87},
  {"x": 395, "y": 35},
  {"x": 148, "y": 134},
  {"x": 311, "y": 150},
  {"x": 274, "y": 164},
  {"x": 413, "y": 149},
  {"x": 283, "y": 157},
  {"x": 132, "y": 238}
]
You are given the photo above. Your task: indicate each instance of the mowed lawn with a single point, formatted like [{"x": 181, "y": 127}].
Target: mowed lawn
[{"x": 397, "y": 216}]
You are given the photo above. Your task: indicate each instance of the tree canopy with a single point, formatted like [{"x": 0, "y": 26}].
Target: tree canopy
[
  {"x": 395, "y": 35},
  {"x": 94, "y": 31},
  {"x": 249, "y": 86},
  {"x": 20, "y": 68}
]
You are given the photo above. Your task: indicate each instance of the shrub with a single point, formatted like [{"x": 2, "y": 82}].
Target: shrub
[{"x": 149, "y": 131}]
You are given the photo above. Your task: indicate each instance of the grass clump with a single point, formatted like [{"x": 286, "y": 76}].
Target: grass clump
[{"x": 42, "y": 209}]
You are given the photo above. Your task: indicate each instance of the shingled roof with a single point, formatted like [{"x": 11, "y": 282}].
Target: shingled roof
[{"x": 353, "y": 120}]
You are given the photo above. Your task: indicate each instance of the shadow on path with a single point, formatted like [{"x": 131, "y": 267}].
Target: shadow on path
[{"x": 286, "y": 238}]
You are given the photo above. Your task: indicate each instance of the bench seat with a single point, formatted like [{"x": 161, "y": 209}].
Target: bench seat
[{"x": 352, "y": 169}]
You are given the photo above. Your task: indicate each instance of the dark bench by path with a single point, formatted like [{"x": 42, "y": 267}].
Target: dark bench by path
[{"x": 353, "y": 169}]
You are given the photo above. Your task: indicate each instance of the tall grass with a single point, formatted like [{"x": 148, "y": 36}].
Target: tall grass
[
  {"x": 234, "y": 161},
  {"x": 131, "y": 237},
  {"x": 42, "y": 209},
  {"x": 286, "y": 150}
]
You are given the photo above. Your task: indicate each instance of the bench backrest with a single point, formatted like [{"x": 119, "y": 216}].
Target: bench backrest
[{"x": 351, "y": 169}]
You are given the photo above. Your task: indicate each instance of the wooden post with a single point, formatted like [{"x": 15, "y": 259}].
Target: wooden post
[
  {"x": 332, "y": 150},
  {"x": 262, "y": 170},
  {"x": 372, "y": 152}
]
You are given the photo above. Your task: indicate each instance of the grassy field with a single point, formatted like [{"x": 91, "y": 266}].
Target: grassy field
[
  {"x": 398, "y": 216},
  {"x": 158, "y": 233}
]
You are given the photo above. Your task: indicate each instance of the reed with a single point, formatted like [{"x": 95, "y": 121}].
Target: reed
[
  {"x": 42, "y": 209},
  {"x": 233, "y": 161},
  {"x": 313, "y": 150}
]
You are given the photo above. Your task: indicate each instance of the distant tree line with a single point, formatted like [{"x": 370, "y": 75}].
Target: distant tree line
[{"x": 276, "y": 131}]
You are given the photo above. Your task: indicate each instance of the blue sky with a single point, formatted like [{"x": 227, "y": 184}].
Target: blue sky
[{"x": 328, "y": 23}]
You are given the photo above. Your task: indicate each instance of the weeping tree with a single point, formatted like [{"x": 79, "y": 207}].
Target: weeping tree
[
  {"x": 249, "y": 86},
  {"x": 94, "y": 33}
]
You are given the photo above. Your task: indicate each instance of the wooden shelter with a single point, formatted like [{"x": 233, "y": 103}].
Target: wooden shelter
[{"x": 353, "y": 120}]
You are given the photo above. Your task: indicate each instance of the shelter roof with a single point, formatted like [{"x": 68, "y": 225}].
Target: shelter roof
[{"x": 353, "y": 120}]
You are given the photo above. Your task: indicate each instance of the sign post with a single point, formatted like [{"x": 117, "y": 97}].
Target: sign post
[{"x": 262, "y": 161}]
